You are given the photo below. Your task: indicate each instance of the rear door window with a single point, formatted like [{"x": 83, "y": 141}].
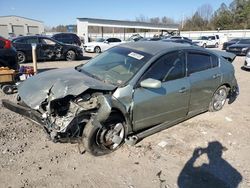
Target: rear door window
[
  {"x": 197, "y": 62},
  {"x": 32, "y": 40}
]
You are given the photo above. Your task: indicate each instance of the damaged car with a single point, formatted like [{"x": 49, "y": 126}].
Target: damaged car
[
  {"x": 46, "y": 49},
  {"x": 127, "y": 93}
]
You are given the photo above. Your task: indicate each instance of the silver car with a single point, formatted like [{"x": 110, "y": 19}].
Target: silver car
[{"x": 127, "y": 93}]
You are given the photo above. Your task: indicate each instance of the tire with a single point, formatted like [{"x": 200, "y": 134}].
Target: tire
[
  {"x": 7, "y": 89},
  {"x": 99, "y": 140},
  {"x": 70, "y": 55},
  {"x": 21, "y": 58},
  {"x": 219, "y": 99},
  {"x": 204, "y": 45},
  {"x": 216, "y": 45},
  {"x": 97, "y": 49}
]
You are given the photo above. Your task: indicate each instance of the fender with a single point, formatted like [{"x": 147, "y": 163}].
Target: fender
[{"x": 107, "y": 105}]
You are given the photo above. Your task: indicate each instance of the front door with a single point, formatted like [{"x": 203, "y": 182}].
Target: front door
[{"x": 168, "y": 103}]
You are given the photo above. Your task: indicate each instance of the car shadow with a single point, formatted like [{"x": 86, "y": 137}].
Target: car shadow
[
  {"x": 218, "y": 173},
  {"x": 243, "y": 68},
  {"x": 39, "y": 70},
  {"x": 85, "y": 58}
]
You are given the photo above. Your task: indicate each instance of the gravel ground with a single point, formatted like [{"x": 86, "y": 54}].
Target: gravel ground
[{"x": 166, "y": 159}]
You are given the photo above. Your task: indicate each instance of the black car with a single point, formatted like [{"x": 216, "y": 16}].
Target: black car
[
  {"x": 240, "y": 48},
  {"x": 229, "y": 43},
  {"x": 8, "y": 54},
  {"x": 47, "y": 49},
  {"x": 67, "y": 38}
]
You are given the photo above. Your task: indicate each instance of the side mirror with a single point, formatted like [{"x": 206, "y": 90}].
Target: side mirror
[
  {"x": 151, "y": 83},
  {"x": 106, "y": 42}
]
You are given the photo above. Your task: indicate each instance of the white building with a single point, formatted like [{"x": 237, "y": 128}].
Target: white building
[
  {"x": 84, "y": 23},
  {"x": 17, "y": 25}
]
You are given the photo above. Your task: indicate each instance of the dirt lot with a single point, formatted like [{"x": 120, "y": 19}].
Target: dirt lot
[{"x": 166, "y": 159}]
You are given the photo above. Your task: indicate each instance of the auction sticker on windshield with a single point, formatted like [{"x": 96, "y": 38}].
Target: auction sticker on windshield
[{"x": 136, "y": 55}]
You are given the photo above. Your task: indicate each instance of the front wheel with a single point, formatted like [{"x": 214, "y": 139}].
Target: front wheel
[
  {"x": 216, "y": 45},
  {"x": 70, "y": 55},
  {"x": 204, "y": 45},
  {"x": 105, "y": 139},
  {"x": 219, "y": 99}
]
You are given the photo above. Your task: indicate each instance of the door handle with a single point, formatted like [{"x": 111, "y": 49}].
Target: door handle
[
  {"x": 216, "y": 76},
  {"x": 183, "y": 90}
]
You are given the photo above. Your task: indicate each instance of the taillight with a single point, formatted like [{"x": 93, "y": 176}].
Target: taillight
[{"x": 7, "y": 43}]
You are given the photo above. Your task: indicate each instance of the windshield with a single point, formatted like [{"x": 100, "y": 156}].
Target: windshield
[
  {"x": 116, "y": 66},
  {"x": 202, "y": 38},
  {"x": 100, "y": 40}
]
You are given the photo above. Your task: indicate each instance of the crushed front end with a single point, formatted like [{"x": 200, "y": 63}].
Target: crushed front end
[{"x": 63, "y": 119}]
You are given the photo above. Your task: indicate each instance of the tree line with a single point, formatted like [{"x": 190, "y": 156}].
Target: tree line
[{"x": 236, "y": 15}]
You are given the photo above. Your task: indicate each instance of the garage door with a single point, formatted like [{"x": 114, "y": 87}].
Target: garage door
[
  {"x": 4, "y": 31},
  {"x": 18, "y": 30},
  {"x": 33, "y": 30}
]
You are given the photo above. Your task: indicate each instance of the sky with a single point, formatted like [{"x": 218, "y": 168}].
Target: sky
[{"x": 55, "y": 12}]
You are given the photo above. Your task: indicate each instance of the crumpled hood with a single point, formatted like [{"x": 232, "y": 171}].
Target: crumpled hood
[{"x": 59, "y": 83}]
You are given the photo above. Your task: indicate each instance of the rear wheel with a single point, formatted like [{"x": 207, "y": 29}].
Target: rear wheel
[
  {"x": 21, "y": 58},
  {"x": 106, "y": 139},
  {"x": 70, "y": 55},
  {"x": 97, "y": 49},
  {"x": 216, "y": 45},
  {"x": 219, "y": 99}
]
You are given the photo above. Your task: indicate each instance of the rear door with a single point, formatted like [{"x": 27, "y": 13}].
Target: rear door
[
  {"x": 204, "y": 77},
  {"x": 168, "y": 103},
  {"x": 48, "y": 48}
]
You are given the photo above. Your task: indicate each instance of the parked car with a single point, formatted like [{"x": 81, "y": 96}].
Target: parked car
[
  {"x": 229, "y": 43},
  {"x": 67, "y": 38},
  {"x": 182, "y": 41},
  {"x": 247, "y": 61},
  {"x": 240, "y": 48},
  {"x": 127, "y": 93},
  {"x": 150, "y": 39},
  {"x": 207, "y": 41},
  {"x": 8, "y": 54},
  {"x": 101, "y": 44},
  {"x": 180, "y": 38},
  {"x": 134, "y": 38},
  {"x": 47, "y": 49}
]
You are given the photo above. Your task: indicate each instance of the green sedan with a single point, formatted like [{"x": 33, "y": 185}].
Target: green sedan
[{"x": 127, "y": 93}]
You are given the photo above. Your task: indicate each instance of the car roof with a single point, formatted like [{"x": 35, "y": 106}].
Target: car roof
[
  {"x": 30, "y": 36},
  {"x": 155, "y": 47},
  {"x": 64, "y": 33}
]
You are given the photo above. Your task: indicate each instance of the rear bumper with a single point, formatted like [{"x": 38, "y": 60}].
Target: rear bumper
[{"x": 27, "y": 112}]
